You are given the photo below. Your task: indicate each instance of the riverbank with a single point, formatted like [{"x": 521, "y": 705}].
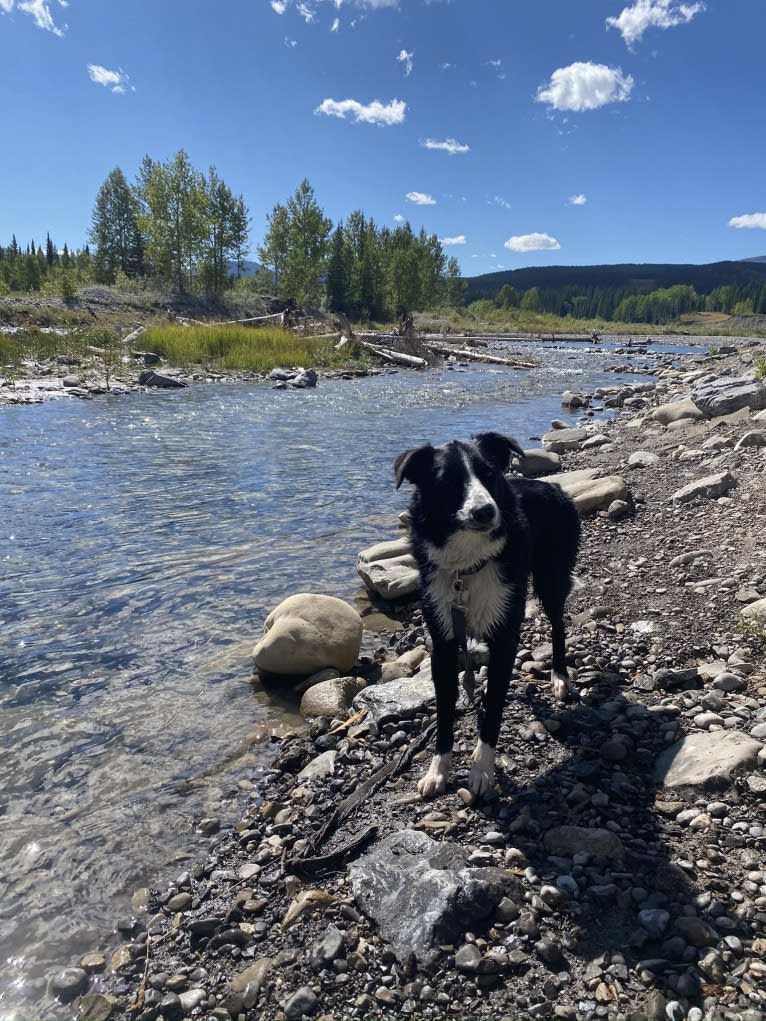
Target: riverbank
[{"x": 617, "y": 894}]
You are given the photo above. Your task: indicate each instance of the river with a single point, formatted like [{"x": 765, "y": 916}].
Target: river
[{"x": 144, "y": 539}]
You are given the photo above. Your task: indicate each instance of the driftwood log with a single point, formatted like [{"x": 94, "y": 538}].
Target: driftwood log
[
  {"x": 472, "y": 355},
  {"x": 397, "y": 357}
]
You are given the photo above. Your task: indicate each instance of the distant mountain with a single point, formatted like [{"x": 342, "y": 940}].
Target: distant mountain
[
  {"x": 247, "y": 268},
  {"x": 631, "y": 278},
  {"x": 755, "y": 258}
]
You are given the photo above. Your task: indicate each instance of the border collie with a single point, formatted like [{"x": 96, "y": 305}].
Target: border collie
[{"x": 477, "y": 535}]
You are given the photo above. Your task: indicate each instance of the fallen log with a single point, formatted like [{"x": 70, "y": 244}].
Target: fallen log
[
  {"x": 397, "y": 357},
  {"x": 471, "y": 355},
  {"x": 133, "y": 335}
]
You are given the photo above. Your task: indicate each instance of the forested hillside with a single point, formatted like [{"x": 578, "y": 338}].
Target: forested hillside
[{"x": 637, "y": 293}]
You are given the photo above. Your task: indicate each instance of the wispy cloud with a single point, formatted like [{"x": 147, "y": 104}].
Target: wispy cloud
[
  {"x": 531, "y": 243},
  {"x": 577, "y": 200},
  {"x": 115, "y": 81},
  {"x": 633, "y": 21},
  {"x": 406, "y": 59},
  {"x": 450, "y": 145},
  {"x": 335, "y": 25},
  {"x": 280, "y": 6},
  {"x": 371, "y": 113},
  {"x": 420, "y": 198},
  {"x": 39, "y": 10},
  {"x": 306, "y": 12},
  {"x": 498, "y": 200},
  {"x": 749, "y": 220},
  {"x": 459, "y": 240},
  {"x": 585, "y": 86}
]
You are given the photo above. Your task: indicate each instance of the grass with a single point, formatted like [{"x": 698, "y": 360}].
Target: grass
[
  {"x": 760, "y": 367},
  {"x": 240, "y": 348}
]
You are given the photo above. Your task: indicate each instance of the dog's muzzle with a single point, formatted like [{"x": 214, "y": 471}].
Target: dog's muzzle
[{"x": 482, "y": 518}]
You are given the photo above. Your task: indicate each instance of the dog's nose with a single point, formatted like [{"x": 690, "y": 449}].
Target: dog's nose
[{"x": 483, "y": 514}]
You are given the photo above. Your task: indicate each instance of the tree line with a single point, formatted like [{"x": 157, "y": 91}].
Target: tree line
[
  {"x": 656, "y": 307},
  {"x": 178, "y": 228}
]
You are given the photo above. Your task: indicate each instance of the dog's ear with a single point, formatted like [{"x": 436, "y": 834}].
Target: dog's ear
[
  {"x": 498, "y": 449},
  {"x": 414, "y": 465}
]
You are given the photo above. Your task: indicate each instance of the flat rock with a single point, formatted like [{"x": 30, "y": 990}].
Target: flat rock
[
  {"x": 569, "y": 840},
  {"x": 537, "y": 462},
  {"x": 676, "y": 411},
  {"x": 592, "y": 494},
  {"x": 398, "y": 699},
  {"x": 389, "y": 570},
  {"x": 709, "y": 759},
  {"x": 755, "y": 610},
  {"x": 708, "y": 488},
  {"x": 560, "y": 440},
  {"x": 422, "y": 893},
  {"x": 725, "y": 395}
]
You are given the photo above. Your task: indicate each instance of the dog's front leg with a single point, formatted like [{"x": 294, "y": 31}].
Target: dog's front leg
[
  {"x": 481, "y": 779},
  {"x": 444, "y": 674}
]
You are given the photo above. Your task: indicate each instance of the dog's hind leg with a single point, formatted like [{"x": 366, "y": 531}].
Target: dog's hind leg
[
  {"x": 553, "y": 596},
  {"x": 445, "y": 677}
]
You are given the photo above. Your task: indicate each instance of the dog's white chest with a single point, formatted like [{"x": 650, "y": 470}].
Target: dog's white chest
[{"x": 483, "y": 597}]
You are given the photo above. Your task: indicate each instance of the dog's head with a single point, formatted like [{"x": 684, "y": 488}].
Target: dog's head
[{"x": 458, "y": 485}]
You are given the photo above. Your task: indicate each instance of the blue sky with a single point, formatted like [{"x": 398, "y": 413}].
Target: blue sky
[{"x": 520, "y": 132}]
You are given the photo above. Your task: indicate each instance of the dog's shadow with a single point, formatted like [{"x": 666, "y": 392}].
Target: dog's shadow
[{"x": 632, "y": 896}]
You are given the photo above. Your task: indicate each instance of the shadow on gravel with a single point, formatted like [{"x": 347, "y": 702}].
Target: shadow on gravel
[{"x": 605, "y": 862}]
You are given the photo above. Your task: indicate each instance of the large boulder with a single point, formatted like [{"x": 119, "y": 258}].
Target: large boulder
[
  {"x": 558, "y": 441},
  {"x": 709, "y": 488},
  {"x": 677, "y": 411},
  {"x": 726, "y": 395},
  {"x": 537, "y": 462},
  {"x": 589, "y": 491},
  {"x": 707, "y": 760},
  {"x": 308, "y": 632},
  {"x": 423, "y": 893}
]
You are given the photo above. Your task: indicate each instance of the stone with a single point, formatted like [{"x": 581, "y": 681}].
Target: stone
[
  {"x": 537, "y": 462},
  {"x": 303, "y": 1001},
  {"x": 321, "y": 766},
  {"x": 695, "y": 931},
  {"x": 305, "y": 379},
  {"x": 561, "y": 440},
  {"x": 755, "y": 611},
  {"x": 151, "y": 378},
  {"x": 708, "y": 488},
  {"x": 709, "y": 759},
  {"x": 68, "y": 984},
  {"x": 245, "y": 987},
  {"x": 331, "y": 698},
  {"x": 308, "y": 632},
  {"x": 753, "y": 438},
  {"x": 326, "y": 949},
  {"x": 422, "y": 893},
  {"x": 726, "y": 395},
  {"x": 570, "y": 840},
  {"x": 389, "y": 570},
  {"x": 642, "y": 459},
  {"x": 396, "y": 700},
  {"x": 677, "y": 411},
  {"x": 590, "y": 495},
  {"x": 70, "y": 380}
]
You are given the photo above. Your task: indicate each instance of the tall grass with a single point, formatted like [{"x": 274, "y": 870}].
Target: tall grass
[{"x": 240, "y": 348}]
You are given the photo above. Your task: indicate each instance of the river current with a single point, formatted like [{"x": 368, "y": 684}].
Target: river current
[{"x": 143, "y": 540}]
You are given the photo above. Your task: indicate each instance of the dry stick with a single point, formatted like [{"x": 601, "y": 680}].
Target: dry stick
[
  {"x": 471, "y": 355},
  {"x": 347, "y": 806},
  {"x": 139, "y": 1001}
]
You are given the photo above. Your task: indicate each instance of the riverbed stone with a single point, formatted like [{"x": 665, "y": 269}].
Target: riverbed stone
[
  {"x": 389, "y": 570},
  {"x": 243, "y": 989},
  {"x": 677, "y": 411},
  {"x": 570, "y": 840},
  {"x": 708, "y": 759},
  {"x": 331, "y": 698},
  {"x": 151, "y": 378},
  {"x": 422, "y": 893},
  {"x": 725, "y": 395},
  {"x": 308, "y": 632},
  {"x": 558, "y": 441},
  {"x": 755, "y": 611},
  {"x": 708, "y": 488},
  {"x": 397, "y": 700},
  {"x": 537, "y": 462},
  {"x": 594, "y": 494}
]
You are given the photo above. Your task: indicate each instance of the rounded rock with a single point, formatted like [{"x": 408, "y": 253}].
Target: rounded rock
[{"x": 68, "y": 984}]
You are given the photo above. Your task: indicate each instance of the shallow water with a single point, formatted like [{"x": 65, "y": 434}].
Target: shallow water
[{"x": 143, "y": 540}]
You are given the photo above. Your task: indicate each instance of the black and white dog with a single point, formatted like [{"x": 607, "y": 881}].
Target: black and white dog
[{"x": 477, "y": 535}]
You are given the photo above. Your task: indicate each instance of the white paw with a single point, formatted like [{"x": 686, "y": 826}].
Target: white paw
[
  {"x": 435, "y": 780},
  {"x": 481, "y": 779},
  {"x": 561, "y": 685}
]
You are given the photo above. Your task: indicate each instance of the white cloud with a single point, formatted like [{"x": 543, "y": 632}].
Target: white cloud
[
  {"x": 585, "y": 86},
  {"x": 633, "y": 21},
  {"x": 398, "y": 218},
  {"x": 531, "y": 243},
  {"x": 335, "y": 25},
  {"x": 115, "y": 81},
  {"x": 406, "y": 59},
  {"x": 40, "y": 10},
  {"x": 749, "y": 220},
  {"x": 306, "y": 13},
  {"x": 577, "y": 200},
  {"x": 459, "y": 240},
  {"x": 420, "y": 198},
  {"x": 500, "y": 201},
  {"x": 290, "y": 43},
  {"x": 372, "y": 113},
  {"x": 280, "y": 6},
  {"x": 449, "y": 145}
]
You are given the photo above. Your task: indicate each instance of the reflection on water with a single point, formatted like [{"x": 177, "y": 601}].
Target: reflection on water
[{"x": 142, "y": 542}]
